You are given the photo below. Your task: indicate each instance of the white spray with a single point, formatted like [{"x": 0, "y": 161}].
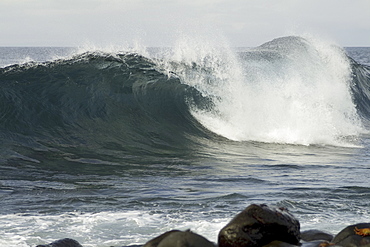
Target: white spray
[{"x": 291, "y": 90}]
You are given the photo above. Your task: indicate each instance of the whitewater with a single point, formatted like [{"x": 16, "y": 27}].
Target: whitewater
[{"x": 114, "y": 147}]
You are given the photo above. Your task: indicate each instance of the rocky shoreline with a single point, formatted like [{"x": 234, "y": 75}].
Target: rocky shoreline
[{"x": 256, "y": 226}]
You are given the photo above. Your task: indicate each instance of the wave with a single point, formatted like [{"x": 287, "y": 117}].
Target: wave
[
  {"x": 290, "y": 90},
  {"x": 117, "y": 100},
  {"x": 360, "y": 88}
]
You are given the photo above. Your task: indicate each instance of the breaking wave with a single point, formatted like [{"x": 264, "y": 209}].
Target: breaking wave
[{"x": 289, "y": 90}]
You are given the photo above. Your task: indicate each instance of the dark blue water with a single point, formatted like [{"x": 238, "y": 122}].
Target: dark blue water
[{"x": 114, "y": 148}]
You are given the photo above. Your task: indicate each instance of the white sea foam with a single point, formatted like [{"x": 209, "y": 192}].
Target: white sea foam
[
  {"x": 100, "y": 229},
  {"x": 298, "y": 95},
  {"x": 105, "y": 229}
]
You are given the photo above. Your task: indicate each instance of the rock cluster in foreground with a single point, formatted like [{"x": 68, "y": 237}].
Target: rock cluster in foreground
[{"x": 256, "y": 226}]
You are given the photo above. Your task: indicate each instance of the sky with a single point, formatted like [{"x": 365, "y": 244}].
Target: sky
[{"x": 243, "y": 23}]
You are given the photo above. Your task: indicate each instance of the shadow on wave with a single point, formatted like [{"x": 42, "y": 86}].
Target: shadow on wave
[{"x": 120, "y": 102}]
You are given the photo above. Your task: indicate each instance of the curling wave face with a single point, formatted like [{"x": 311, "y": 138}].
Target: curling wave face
[{"x": 95, "y": 99}]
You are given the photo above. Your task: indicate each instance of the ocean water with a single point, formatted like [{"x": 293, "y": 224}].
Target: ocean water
[{"x": 113, "y": 148}]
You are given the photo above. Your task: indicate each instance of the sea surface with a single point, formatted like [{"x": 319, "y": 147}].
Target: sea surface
[{"x": 114, "y": 147}]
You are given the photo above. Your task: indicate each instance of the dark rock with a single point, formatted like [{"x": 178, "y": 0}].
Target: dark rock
[
  {"x": 133, "y": 246},
  {"x": 279, "y": 244},
  {"x": 258, "y": 225},
  {"x": 177, "y": 238},
  {"x": 319, "y": 243},
  {"x": 312, "y": 235},
  {"x": 65, "y": 242},
  {"x": 155, "y": 241},
  {"x": 348, "y": 237}
]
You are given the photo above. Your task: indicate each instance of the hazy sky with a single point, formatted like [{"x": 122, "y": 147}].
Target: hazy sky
[{"x": 160, "y": 22}]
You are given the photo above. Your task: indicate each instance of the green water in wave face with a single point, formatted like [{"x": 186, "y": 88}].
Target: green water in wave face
[{"x": 103, "y": 193}]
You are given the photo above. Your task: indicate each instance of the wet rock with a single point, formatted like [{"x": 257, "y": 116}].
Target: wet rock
[
  {"x": 279, "y": 244},
  {"x": 319, "y": 243},
  {"x": 312, "y": 235},
  {"x": 65, "y": 242},
  {"x": 134, "y": 246},
  {"x": 177, "y": 238},
  {"x": 348, "y": 237},
  {"x": 259, "y": 225},
  {"x": 155, "y": 241}
]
